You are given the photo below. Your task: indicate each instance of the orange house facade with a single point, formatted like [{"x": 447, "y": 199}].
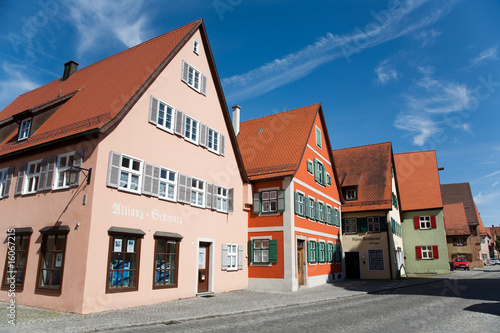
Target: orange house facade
[
  {"x": 124, "y": 184},
  {"x": 294, "y": 236}
]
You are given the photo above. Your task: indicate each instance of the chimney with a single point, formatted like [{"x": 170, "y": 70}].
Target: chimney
[
  {"x": 69, "y": 69},
  {"x": 236, "y": 119}
]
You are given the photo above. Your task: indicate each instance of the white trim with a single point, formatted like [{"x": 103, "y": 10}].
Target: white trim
[
  {"x": 324, "y": 159},
  {"x": 320, "y": 138},
  {"x": 196, "y": 47},
  {"x": 189, "y": 139},
  {"x": 211, "y": 266},
  {"x": 309, "y": 187},
  {"x": 172, "y": 123},
  {"x": 232, "y": 255},
  {"x": 266, "y": 229},
  {"x": 315, "y": 233}
]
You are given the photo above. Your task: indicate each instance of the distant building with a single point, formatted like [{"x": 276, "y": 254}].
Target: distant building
[
  {"x": 457, "y": 232},
  {"x": 371, "y": 216}
]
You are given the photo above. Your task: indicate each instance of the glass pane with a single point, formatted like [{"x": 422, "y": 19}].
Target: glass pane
[
  {"x": 265, "y": 244},
  {"x": 128, "y": 278},
  {"x": 129, "y": 261},
  {"x": 170, "y": 261},
  {"x": 257, "y": 244},
  {"x": 134, "y": 182},
  {"x": 200, "y": 199},
  {"x": 159, "y": 277},
  {"x": 136, "y": 165},
  {"x": 125, "y": 162},
  {"x": 47, "y": 260},
  {"x": 273, "y": 195},
  {"x": 163, "y": 190},
  {"x": 56, "y": 278},
  {"x": 170, "y": 191},
  {"x": 265, "y": 255},
  {"x": 62, "y": 162},
  {"x": 257, "y": 256},
  {"x": 193, "y": 197},
  {"x": 163, "y": 174},
  {"x": 265, "y": 195},
  {"x": 60, "y": 242},
  {"x": 170, "y": 277},
  {"x": 171, "y": 176},
  {"x": 20, "y": 275},
  {"x": 161, "y": 246},
  {"x": 45, "y": 278},
  {"x": 124, "y": 179},
  {"x": 172, "y": 246}
]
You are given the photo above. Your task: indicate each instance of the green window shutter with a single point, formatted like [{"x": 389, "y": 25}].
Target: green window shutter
[
  {"x": 318, "y": 137},
  {"x": 281, "y": 201},
  {"x": 297, "y": 203},
  {"x": 316, "y": 170},
  {"x": 273, "y": 251},
  {"x": 333, "y": 249},
  {"x": 317, "y": 251},
  {"x": 312, "y": 204},
  {"x": 343, "y": 227},
  {"x": 309, "y": 251},
  {"x": 383, "y": 223},
  {"x": 362, "y": 225},
  {"x": 250, "y": 251},
  {"x": 324, "y": 176},
  {"x": 316, "y": 204},
  {"x": 328, "y": 179},
  {"x": 256, "y": 203},
  {"x": 338, "y": 253},
  {"x": 322, "y": 258},
  {"x": 310, "y": 167}
]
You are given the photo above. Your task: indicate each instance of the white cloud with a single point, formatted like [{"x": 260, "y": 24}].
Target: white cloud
[
  {"x": 490, "y": 53},
  {"x": 96, "y": 19},
  {"x": 488, "y": 176},
  {"x": 15, "y": 83},
  {"x": 427, "y": 36},
  {"x": 385, "y": 72},
  {"x": 481, "y": 199},
  {"x": 420, "y": 126},
  {"x": 277, "y": 73},
  {"x": 494, "y": 184}
]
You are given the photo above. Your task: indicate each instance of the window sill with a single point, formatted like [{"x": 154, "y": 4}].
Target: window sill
[
  {"x": 164, "y": 286},
  {"x": 129, "y": 191},
  {"x": 48, "y": 292},
  {"x": 171, "y": 130},
  {"x": 120, "y": 290},
  {"x": 191, "y": 141},
  {"x": 168, "y": 199}
]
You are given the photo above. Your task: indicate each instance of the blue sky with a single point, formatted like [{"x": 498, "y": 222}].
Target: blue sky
[{"x": 421, "y": 74}]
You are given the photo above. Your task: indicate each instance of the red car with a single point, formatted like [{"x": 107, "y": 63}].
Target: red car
[{"x": 461, "y": 263}]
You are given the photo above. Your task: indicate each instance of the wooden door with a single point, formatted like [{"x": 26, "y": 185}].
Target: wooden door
[
  {"x": 352, "y": 265},
  {"x": 203, "y": 267},
  {"x": 301, "y": 265}
]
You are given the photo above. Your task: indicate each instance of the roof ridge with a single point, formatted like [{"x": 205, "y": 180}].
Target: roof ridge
[
  {"x": 282, "y": 112},
  {"x": 415, "y": 152},
  {"x": 368, "y": 145}
]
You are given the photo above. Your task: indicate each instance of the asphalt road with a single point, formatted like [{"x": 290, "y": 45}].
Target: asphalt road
[{"x": 467, "y": 303}]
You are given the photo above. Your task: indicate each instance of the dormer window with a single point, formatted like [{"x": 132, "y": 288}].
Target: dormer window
[
  {"x": 24, "y": 129},
  {"x": 196, "y": 47},
  {"x": 350, "y": 194}
]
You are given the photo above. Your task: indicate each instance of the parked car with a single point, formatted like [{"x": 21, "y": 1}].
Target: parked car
[
  {"x": 461, "y": 263},
  {"x": 494, "y": 261}
]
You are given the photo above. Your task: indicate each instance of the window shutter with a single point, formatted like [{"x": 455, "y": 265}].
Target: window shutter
[
  {"x": 318, "y": 137},
  {"x": 418, "y": 252},
  {"x": 256, "y": 203},
  {"x": 317, "y": 251},
  {"x": 180, "y": 122},
  {"x": 317, "y": 210},
  {"x": 338, "y": 253},
  {"x": 47, "y": 177},
  {"x": 224, "y": 257},
  {"x": 214, "y": 198},
  {"x": 328, "y": 179},
  {"x": 297, "y": 203},
  {"x": 203, "y": 87},
  {"x": 307, "y": 212},
  {"x": 230, "y": 200},
  {"x": 222, "y": 145},
  {"x": 416, "y": 222},
  {"x": 155, "y": 189},
  {"x": 312, "y": 205},
  {"x": 362, "y": 224},
  {"x": 316, "y": 170},
  {"x": 309, "y": 167},
  {"x": 250, "y": 251},
  {"x": 20, "y": 179},
  {"x": 209, "y": 190},
  {"x": 309, "y": 251},
  {"x": 433, "y": 222},
  {"x": 43, "y": 175},
  {"x": 203, "y": 135},
  {"x": 114, "y": 169},
  {"x": 273, "y": 251},
  {"x": 185, "y": 70},
  {"x": 153, "y": 111},
  {"x": 78, "y": 163},
  {"x": 240, "y": 257},
  {"x": 147, "y": 179},
  {"x": 181, "y": 191},
  {"x": 6, "y": 190},
  {"x": 435, "y": 252},
  {"x": 465, "y": 241},
  {"x": 324, "y": 176},
  {"x": 281, "y": 201},
  {"x": 343, "y": 227}
]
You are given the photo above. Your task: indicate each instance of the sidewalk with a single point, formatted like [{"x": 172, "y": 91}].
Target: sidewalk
[{"x": 30, "y": 319}]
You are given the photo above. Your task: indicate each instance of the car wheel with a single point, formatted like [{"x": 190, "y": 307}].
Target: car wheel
[{"x": 468, "y": 269}]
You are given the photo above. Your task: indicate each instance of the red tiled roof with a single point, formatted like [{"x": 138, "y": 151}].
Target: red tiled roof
[
  {"x": 272, "y": 146},
  {"x": 455, "y": 221},
  {"x": 103, "y": 89},
  {"x": 418, "y": 180},
  {"x": 481, "y": 229},
  {"x": 494, "y": 232},
  {"x": 460, "y": 192},
  {"x": 370, "y": 167}
]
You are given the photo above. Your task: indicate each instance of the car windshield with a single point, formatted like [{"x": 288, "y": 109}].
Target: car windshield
[{"x": 460, "y": 259}]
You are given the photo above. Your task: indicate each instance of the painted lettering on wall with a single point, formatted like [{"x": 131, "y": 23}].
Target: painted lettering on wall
[{"x": 156, "y": 215}]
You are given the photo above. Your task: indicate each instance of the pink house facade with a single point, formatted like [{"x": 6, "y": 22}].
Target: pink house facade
[{"x": 122, "y": 184}]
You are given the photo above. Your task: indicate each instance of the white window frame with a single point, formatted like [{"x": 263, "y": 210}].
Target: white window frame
[
  {"x": 270, "y": 200},
  {"x": 261, "y": 249},
  {"x": 318, "y": 138},
  {"x": 168, "y": 183},
  {"x": 460, "y": 241},
  {"x": 302, "y": 204},
  {"x": 232, "y": 257},
  {"x": 32, "y": 175},
  {"x": 349, "y": 223},
  {"x": 189, "y": 136},
  {"x": 311, "y": 169},
  {"x": 369, "y": 260},
  {"x": 193, "y": 76},
  {"x": 62, "y": 170},
  {"x": 330, "y": 253},
  {"x": 313, "y": 251},
  {"x": 321, "y": 212},
  {"x": 213, "y": 140},
  {"x": 3, "y": 181},
  {"x": 24, "y": 129},
  {"x": 221, "y": 199},
  {"x": 196, "y": 47},
  {"x": 374, "y": 222},
  {"x": 425, "y": 222},
  {"x": 172, "y": 115},
  {"x": 198, "y": 192},
  {"x": 322, "y": 253},
  {"x": 350, "y": 194},
  {"x": 130, "y": 173},
  {"x": 312, "y": 205},
  {"x": 426, "y": 251}
]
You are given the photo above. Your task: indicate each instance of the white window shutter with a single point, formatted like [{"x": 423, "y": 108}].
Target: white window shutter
[
  {"x": 180, "y": 122},
  {"x": 281, "y": 201},
  {"x": 43, "y": 175},
  {"x": 155, "y": 189},
  {"x": 203, "y": 87},
  {"x": 222, "y": 147},
  {"x": 208, "y": 195},
  {"x": 46, "y": 174},
  {"x": 114, "y": 169},
  {"x": 203, "y": 135},
  {"x": 6, "y": 189},
  {"x": 181, "y": 188},
  {"x": 214, "y": 198},
  {"x": 78, "y": 163},
  {"x": 256, "y": 203},
  {"x": 188, "y": 189},
  {"x": 153, "y": 111},
  {"x": 147, "y": 178},
  {"x": 224, "y": 257},
  {"x": 20, "y": 179},
  {"x": 230, "y": 200},
  {"x": 185, "y": 70},
  {"x": 240, "y": 257}
]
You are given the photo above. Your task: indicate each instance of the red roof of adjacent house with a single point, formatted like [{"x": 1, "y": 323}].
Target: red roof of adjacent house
[
  {"x": 273, "y": 146},
  {"x": 494, "y": 232},
  {"x": 455, "y": 220},
  {"x": 418, "y": 180},
  {"x": 481, "y": 229},
  {"x": 101, "y": 91},
  {"x": 461, "y": 192},
  {"x": 368, "y": 167}
]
